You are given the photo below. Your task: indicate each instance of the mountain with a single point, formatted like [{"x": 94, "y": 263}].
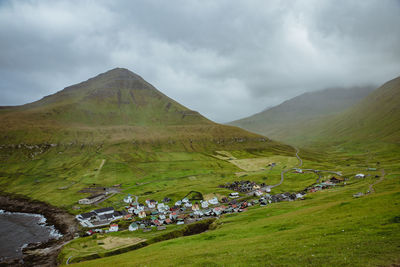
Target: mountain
[
  {"x": 283, "y": 121},
  {"x": 373, "y": 121},
  {"x": 374, "y": 118},
  {"x": 117, "y": 97},
  {"x": 115, "y": 106}
]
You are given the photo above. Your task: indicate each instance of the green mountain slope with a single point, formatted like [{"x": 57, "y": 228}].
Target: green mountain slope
[
  {"x": 117, "y": 97},
  {"x": 375, "y": 118},
  {"x": 114, "y": 106},
  {"x": 372, "y": 124},
  {"x": 281, "y": 122}
]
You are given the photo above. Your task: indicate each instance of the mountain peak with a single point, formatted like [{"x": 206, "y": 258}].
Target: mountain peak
[
  {"x": 118, "y": 74},
  {"x": 115, "y": 97}
]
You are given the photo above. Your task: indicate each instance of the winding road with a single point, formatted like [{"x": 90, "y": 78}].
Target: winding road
[{"x": 286, "y": 170}]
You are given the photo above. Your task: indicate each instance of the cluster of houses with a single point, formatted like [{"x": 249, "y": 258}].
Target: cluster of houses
[
  {"x": 324, "y": 185},
  {"x": 185, "y": 212},
  {"x": 244, "y": 186},
  {"x": 159, "y": 214},
  {"x": 152, "y": 213},
  {"x": 281, "y": 197}
]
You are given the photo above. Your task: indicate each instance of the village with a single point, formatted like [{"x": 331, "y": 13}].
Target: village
[{"x": 153, "y": 214}]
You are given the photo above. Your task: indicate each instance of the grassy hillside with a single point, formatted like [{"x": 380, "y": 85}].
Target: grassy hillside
[
  {"x": 376, "y": 117},
  {"x": 280, "y": 122},
  {"x": 57, "y": 174},
  {"x": 117, "y": 97},
  {"x": 370, "y": 126},
  {"x": 329, "y": 228},
  {"x": 114, "y": 106}
]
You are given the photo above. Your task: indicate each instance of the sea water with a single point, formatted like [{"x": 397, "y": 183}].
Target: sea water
[{"x": 17, "y": 230}]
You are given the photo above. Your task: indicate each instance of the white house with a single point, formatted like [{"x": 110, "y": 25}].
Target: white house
[
  {"x": 133, "y": 227},
  {"x": 161, "y": 207},
  {"x": 198, "y": 213},
  {"x": 234, "y": 195},
  {"x": 204, "y": 204},
  {"x": 113, "y": 227},
  {"x": 178, "y": 203},
  {"x": 217, "y": 211},
  {"x": 213, "y": 201},
  {"x": 185, "y": 200},
  {"x": 360, "y": 175},
  {"x": 258, "y": 193},
  {"x": 128, "y": 199},
  {"x": 152, "y": 204},
  {"x": 85, "y": 219}
]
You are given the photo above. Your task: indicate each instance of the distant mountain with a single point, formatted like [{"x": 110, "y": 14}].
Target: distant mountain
[
  {"x": 115, "y": 106},
  {"x": 283, "y": 121},
  {"x": 374, "y": 118}
]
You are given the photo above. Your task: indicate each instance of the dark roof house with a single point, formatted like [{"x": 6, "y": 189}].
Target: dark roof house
[{"x": 104, "y": 210}]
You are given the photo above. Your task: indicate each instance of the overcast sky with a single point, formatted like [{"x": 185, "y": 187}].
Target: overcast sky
[{"x": 225, "y": 59}]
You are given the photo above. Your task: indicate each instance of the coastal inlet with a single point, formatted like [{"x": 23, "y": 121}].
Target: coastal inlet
[{"x": 17, "y": 230}]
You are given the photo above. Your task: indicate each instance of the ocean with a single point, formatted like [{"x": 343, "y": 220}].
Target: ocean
[{"x": 17, "y": 230}]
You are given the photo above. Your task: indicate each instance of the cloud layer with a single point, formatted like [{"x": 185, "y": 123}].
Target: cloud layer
[{"x": 225, "y": 59}]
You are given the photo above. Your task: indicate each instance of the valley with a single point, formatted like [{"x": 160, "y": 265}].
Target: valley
[{"x": 114, "y": 145}]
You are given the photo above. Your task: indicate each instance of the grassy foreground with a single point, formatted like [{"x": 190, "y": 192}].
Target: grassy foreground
[{"x": 330, "y": 228}]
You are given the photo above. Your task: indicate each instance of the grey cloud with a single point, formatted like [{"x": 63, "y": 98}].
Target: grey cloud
[{"x": 225, "y": 59}]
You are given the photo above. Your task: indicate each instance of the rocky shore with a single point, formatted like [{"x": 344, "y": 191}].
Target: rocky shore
[{"x": 40, "y": 254}]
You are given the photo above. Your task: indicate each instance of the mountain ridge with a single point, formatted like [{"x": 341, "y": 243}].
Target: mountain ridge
[
  {"x": 119, "y": 106},
  {"x": 373, "y": 122},
  {"x": 280, "y": 122},
  {"x": 125, "y": 95}
]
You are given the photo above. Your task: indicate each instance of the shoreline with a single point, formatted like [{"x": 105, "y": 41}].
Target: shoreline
[{"x": 43, "y": 254}]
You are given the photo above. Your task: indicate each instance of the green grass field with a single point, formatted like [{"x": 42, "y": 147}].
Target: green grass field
[
  {"x": 329, "y": 228},
  {"x": 57, "y": 175}
]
